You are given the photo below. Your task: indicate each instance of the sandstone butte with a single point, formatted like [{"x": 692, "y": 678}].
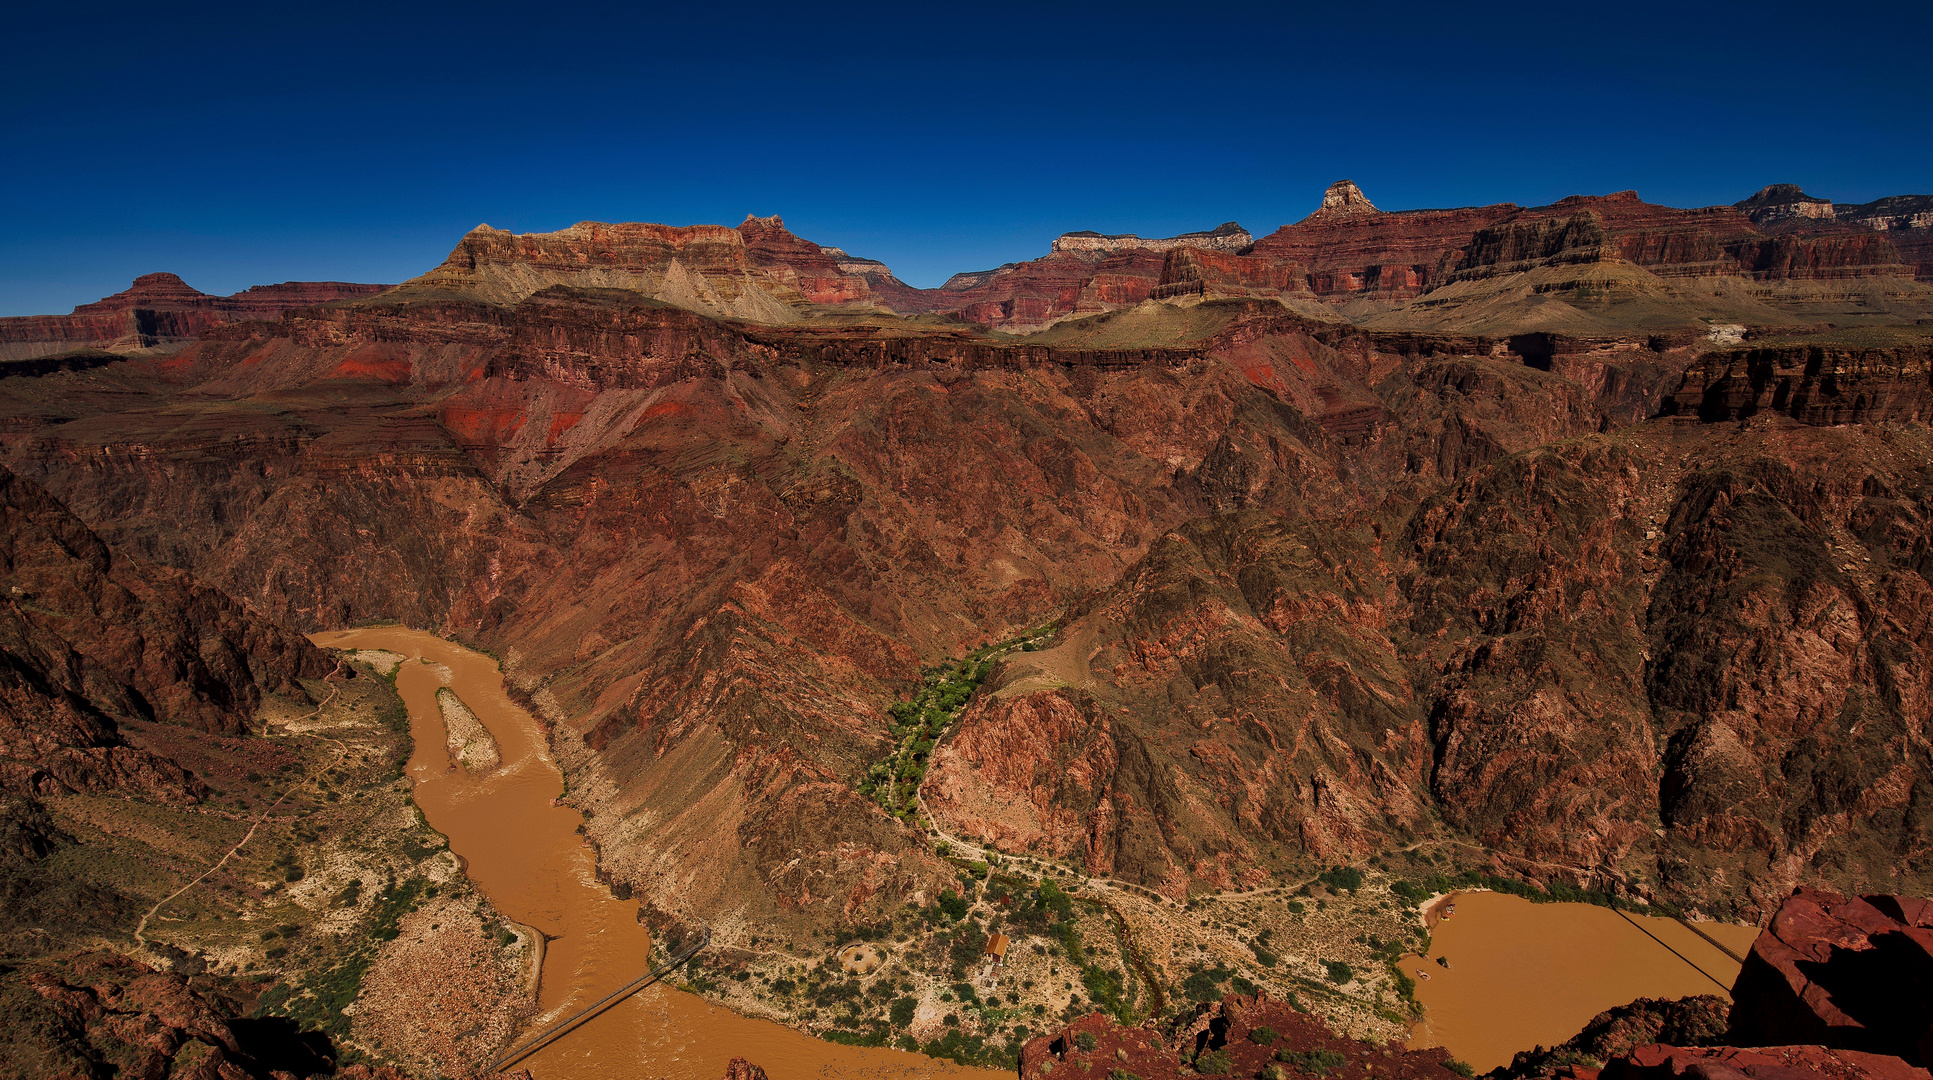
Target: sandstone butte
[{"x": 1594, "y": 537}]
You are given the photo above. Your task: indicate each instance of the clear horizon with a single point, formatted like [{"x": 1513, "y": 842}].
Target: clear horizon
[{"x": 358, "y": 143}]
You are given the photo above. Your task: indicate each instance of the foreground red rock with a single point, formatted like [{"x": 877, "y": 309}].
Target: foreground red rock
[
  {"x": 1239, "y": 1036},
  {"x": 96, "y": 1014},
  {"x": 1835, "y": 986},
  {"x": 740, "y": 1069},
  {"x": 1854, "y": 973},
  {"x": 1759, "y": 1063}
]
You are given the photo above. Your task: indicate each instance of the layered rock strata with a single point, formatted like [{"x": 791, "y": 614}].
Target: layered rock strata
[
  {"x": 160, "y": 310},
  {"x": 1227, "y": 237},
  {"x": 1814, "y": 384}
]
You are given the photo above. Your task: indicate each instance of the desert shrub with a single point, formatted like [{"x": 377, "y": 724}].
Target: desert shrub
[
  {"x": 1318, "y": 1062},
  {"x": 1342, "y": 878},
  {"x": 1213, "y": 1063},
  {"x": 1339, "y": 972}
]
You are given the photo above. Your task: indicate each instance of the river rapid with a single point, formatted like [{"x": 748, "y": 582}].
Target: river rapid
[
  {"x": 1524, "y": 974},
  {"x": 527, "y": 857}
]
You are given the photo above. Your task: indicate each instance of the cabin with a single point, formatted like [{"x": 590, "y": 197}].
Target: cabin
[{"x": 997, "y": 949}]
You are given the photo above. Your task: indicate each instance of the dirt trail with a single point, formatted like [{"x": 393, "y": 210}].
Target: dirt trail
[{"x": 140, "y": 929}]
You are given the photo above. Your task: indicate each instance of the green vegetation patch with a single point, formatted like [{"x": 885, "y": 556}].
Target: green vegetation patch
[{"x": 919, "y": 721}]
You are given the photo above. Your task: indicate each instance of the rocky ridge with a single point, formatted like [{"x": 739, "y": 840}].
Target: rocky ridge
[{"x": 160, "y": 310}]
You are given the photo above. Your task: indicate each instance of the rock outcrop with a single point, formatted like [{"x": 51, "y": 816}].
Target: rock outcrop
[
  {"x": 1907, "y": 220},
  {"x": 740, "y": 1069},
  {"x": 1682, "y": 1022},
  {"x": 1813, "y": 384},
  {"x": 1343, "y": 199}
]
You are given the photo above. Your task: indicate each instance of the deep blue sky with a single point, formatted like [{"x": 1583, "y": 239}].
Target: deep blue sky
[{"x": 244, "y": 145}]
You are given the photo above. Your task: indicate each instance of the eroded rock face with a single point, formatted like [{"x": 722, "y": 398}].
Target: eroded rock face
[
  {"x": 1317, "y": 585},
  {"x": 1343, "y": 199},
  {"x": 1778, "y": 204},
  {"x": 1907, "y": 220},
  {"x": 89, "y": 639},
  {"x": 1351, "y": 249},
  {"x": 1812, "y": 384}
]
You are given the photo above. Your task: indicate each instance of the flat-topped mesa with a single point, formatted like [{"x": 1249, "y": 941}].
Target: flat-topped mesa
[
  {"x": 1228, "y": 236},
  {"x": 1086, "y": 273},
  {"x": 758, "y": 272}
]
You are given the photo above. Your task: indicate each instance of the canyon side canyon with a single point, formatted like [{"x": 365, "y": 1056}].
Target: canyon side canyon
[{"x": 1585, "y": 547}]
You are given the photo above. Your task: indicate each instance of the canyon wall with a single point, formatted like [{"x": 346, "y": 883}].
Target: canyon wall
[{"x": 1321, "y": 589}]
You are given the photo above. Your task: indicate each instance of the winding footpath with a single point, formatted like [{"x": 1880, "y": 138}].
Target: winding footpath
[{"x": 140, "y": 929}]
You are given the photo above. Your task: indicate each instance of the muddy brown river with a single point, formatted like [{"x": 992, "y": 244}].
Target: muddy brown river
[
  {"x": 526, "y": 856},
  {"x": 1524, "y": 974}
]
